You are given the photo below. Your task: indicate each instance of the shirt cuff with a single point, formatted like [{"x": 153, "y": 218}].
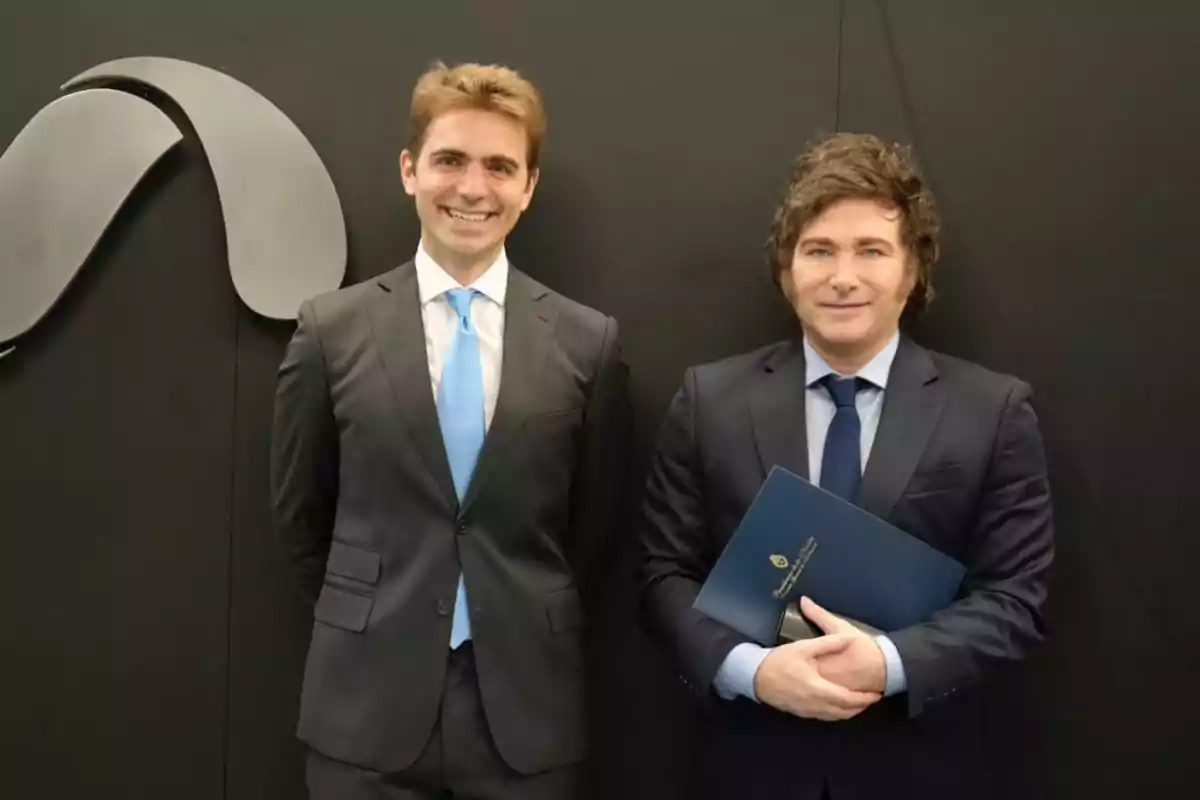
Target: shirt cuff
[
  {"x": 895, "y": 682},
  {"x": 736, "y": 675}
]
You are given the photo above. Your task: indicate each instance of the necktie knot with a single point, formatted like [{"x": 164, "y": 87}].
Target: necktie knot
[
  {"x": 843, "y": 390},
  {"x": 460, "y": 301}
]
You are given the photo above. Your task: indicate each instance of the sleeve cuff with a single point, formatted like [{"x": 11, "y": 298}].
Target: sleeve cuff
[
  {"x": 736, "y": 674},
  {"x": 895, "y": 682}
]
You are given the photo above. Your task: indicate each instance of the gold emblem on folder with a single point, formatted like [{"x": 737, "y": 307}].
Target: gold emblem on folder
[{"x": 797, "y": 567}]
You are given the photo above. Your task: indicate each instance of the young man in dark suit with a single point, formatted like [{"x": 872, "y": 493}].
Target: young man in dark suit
[
  {"x": 944, "y": 449},
  {"x": 448, "y": 444}
]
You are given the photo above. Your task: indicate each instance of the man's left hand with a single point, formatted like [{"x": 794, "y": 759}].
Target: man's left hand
[{"x": 860, "y": 666}]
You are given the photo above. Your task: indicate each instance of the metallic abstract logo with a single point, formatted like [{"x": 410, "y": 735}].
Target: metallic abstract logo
[{"x": 65, "y": 176}]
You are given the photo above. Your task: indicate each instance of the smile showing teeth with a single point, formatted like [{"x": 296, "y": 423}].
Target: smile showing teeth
[{"x": 467, "y": 217}]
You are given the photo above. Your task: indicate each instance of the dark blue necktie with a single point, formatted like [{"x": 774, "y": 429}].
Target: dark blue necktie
[{"x": 841, "y": 464}]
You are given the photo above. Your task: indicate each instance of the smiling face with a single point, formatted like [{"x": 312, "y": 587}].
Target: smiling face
[
  {"x": 850, "y": 279},
  {"x": 471, "y": 182}
]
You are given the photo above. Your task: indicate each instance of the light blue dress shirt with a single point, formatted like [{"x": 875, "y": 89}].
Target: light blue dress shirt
[{"x": 736, "y": 675}]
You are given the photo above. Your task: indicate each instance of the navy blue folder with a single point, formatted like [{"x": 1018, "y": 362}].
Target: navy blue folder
[{"x": 798, "y": 539}]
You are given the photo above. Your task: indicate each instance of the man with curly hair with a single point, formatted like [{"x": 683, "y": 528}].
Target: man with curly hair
[{"x": 943, "y": 449}]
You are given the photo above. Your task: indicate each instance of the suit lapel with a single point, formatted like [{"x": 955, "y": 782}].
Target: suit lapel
[
  {"x": 912, "y": 406},
  {"x": 528, "y": 326},
  {"x": 777, "y": 413},
  {"x": 400, "y": 338}
]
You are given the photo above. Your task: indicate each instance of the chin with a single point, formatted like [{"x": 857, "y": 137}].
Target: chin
[
  {"x": 844, "y": 336},
  {"x": 468, "y": 245}
]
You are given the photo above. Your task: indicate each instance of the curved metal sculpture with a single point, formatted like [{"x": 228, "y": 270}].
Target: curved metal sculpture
[
  {"x": 65, "y": 176},
  {"x": 62, "y": 180},
  {"x": 284, "y": 228}
]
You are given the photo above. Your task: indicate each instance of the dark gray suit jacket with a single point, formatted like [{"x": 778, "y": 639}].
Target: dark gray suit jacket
[
  {"x": 957, "y": 461},
  {"x": 366, "y": 508}
]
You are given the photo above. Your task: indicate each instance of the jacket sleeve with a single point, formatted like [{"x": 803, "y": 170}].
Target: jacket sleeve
[
  {"x": 1000, "y": 617},
  {"x": 304, "y": 457},
  {"x": 599, "y": 489},
  {"x": 677, "y": 551}
]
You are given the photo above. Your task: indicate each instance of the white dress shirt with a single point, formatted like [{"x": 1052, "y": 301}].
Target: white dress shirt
[
  {"x": 441, "y": 321},
  {"x": 736, "y": 674}
]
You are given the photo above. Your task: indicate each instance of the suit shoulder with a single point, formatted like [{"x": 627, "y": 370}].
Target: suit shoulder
[
  {"x": 342, "y": 306},
  {"x": 737, "y": 366},
  {"x": 575, "y": 314},
  {"x": 579, "y": 313},
  {"x": 975, "y": 378},
  {"x": 332, "y": 306},
  {"x": 732, "y": 370}
]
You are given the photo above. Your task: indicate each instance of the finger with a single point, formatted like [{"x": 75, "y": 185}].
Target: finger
[
  {"x": 827, "y": 645},
  {"x": 823, "y": 714},
  {"x": 828, "y": 713},
  {"x": 837, "y": 695},
  {"x": 836, "y": 714},
  {"x": 850, "y": 714},
  {"x": 827, "y": 622}
]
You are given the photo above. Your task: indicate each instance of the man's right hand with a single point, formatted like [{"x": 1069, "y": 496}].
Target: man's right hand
[{"x": 788, "y": 679}]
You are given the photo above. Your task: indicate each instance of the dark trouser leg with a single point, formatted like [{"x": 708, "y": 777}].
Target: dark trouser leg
[
  {"x": 329, "y": 779},
  {"x": 334, "y": 780},
  {"x": 460, "y": 760},
  {"x": 474, "y": 769}
]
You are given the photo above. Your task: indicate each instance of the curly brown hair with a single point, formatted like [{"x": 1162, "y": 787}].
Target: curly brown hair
[
  {"x": 489, "y": 87},
  {"x": 861, "y": 166}
]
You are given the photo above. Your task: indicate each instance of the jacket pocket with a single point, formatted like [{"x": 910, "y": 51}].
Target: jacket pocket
[
  {"x": 563, "y": 416},
  {"x": 341, "y": 608},
  {"x": 349, "y": 591},
  {"x": 940, "y": 478},
  {"x": 353, "y": 562}
]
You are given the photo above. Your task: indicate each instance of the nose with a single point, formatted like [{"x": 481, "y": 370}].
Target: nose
[
  {"x": 845, "y": 277},
  {"x": 472, "y": 183}
]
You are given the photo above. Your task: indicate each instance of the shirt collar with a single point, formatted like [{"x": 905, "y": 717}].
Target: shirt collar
[
  {"x": 433, "y": 281},
  {"x": 876, "y": 370}
]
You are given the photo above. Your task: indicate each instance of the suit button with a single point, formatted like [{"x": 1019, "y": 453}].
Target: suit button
[
  {"x": 462, "y": 527},
  {"x": 444, "y": 607}
]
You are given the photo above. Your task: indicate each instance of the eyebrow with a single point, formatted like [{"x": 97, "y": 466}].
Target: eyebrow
[
  {"x": 825, "y": 241},
  {"x": 503, "y": 160},
  {"x": 493, "y": 159}
]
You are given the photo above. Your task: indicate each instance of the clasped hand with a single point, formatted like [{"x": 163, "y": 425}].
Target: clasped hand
[{"x": 830, "y": 677}]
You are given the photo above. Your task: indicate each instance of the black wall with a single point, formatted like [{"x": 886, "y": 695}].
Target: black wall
[{"x": 152, "y": 647}]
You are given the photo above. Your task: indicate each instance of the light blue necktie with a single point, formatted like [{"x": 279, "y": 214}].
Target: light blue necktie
[{"x": 461, "y": 414}]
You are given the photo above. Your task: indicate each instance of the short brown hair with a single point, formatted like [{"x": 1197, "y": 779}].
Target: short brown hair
[
  {"x": 861, "y": 166},
  {"x": 488, "y": 87}
]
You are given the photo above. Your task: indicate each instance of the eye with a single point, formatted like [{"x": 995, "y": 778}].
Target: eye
[
  {"x": 873, "y": 252},
  {"x": 818, "y": 252},
  {"x": 447, "y": 160},
  {"x": 503, "y": 167}
]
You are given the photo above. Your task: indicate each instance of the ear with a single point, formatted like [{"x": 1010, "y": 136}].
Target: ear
[
  {"x": 787, "y": 281},
  {"x": 912, "y": 274},
  {"x": 534, "y": 174},
  {"x": 408, "y": 171},
  {"x": 787, "y": 285}
]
